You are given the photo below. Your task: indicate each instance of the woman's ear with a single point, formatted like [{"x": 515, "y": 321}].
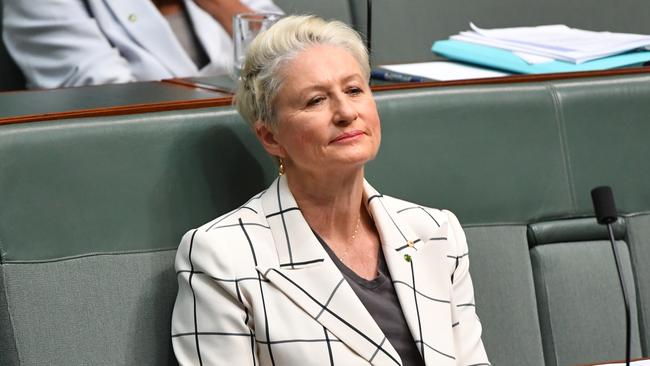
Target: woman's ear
[{"x": 267, "y": 137}]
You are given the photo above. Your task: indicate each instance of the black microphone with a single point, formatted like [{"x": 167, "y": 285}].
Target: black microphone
[{"x": 605, "y": 209}]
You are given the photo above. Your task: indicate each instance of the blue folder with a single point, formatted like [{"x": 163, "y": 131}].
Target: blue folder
[{"x": 506, "y": 60}]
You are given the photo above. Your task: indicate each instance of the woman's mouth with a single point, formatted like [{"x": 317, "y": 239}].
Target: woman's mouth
[{"x": 348, "y": 136}]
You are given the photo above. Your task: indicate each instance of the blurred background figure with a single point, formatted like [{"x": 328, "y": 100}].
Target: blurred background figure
[{"x": 86, "y": 42}]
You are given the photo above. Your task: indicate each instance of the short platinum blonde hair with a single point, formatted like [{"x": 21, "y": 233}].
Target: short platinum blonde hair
[{"x": 262, "y": 73}]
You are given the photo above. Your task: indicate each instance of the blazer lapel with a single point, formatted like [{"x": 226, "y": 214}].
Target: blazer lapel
[
  {"x": 143, "y": 22},
  {"x": 419, "y": 270},
  {"x": 307, "y": 276}
]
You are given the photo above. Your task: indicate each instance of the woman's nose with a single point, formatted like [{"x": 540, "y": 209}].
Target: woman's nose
[{"x": 344, "y": 111}]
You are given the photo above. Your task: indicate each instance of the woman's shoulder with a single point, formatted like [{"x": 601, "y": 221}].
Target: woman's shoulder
[
  {"x": 227, "y": 237},
  {"x": 249, "y": 213}
]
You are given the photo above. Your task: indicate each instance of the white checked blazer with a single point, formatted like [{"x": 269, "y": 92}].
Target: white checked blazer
[{"x": 257, "y": 288}]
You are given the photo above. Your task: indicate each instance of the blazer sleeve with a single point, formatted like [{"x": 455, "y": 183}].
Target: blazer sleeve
[
  {"x": 59, "y": 44},
  {"x": 210, "y": 321},
  {"x": 467, "y": 326}
]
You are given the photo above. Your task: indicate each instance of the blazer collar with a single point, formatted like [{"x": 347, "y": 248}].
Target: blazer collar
[
  {"x": 418, "y": 267},
  {"x": 307, "y": 275}
]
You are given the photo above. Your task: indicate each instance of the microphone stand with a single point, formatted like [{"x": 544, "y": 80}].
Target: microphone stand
[
  {"x": 626, "y": 296},
  {"x": 605, "y": 208}
]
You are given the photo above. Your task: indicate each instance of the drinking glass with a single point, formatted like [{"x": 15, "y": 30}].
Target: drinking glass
[{"x": 245, "y": 27}]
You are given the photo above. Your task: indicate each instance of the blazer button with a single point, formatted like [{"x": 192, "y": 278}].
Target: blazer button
[{"x": 133, "y": 18}]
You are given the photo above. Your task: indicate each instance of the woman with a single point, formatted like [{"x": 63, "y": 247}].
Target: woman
[{"x": 320, "y": 268}]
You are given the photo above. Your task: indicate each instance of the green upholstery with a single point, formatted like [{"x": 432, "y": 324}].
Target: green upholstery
[
  {"x": 638, "y": 237},
  {"x": 93, "y": 310},
  {"x": 8, "y": 353},
  {"x": 505, "y": 294},
  {"x": 579, "y": 291},
  {"x": 579, "y": 229},
  {"x": 92, "y": 210},
  {"x": 579, "y": 299},
  {"x": 471, "y": 134},
  {"x": 92, "y": 213},
  {"x": 607, "y": 134},
  {"x": 121, "y": 184}
]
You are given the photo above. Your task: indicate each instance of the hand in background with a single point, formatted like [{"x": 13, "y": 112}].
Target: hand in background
[{"x": 223, "y": 10}]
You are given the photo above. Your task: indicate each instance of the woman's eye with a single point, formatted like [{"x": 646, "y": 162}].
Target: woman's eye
[
  {"x": 355, "y": 91},
  {"x": 315, "y": 101}
]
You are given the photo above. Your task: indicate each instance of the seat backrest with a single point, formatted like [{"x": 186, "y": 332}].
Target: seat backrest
[
  {"x": 578, "y": 292},
  {"x": 92, "y": 213},
  {"x": 606, "y": 131},
  {"x": 508, "y": 158},
  {"x": 452, "y": 148}
]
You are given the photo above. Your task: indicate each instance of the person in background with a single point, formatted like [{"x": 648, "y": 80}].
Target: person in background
[
  {"x": 320, "y": 268},
  {"x": 87, "y": 42}
]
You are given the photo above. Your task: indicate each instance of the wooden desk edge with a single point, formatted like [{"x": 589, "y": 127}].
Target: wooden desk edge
[
  {"x": 227, "y": 100},
  {"x": 120, "y": 110}
]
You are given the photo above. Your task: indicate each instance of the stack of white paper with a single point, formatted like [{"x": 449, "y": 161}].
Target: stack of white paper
[
  {"x": 555, "y": 42},
  {"x": 444, "y": 71}
]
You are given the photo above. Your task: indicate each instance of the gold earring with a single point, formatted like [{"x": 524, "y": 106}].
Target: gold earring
[{"x": 280, "y": 166}]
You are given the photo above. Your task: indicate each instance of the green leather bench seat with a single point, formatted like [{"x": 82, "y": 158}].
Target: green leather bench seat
[
  {"x": 580, "y": 302},
  {"x": 92, "y": 210},
  {"x": 607, "y": 128},
  {"x": 504, "y": 157}
]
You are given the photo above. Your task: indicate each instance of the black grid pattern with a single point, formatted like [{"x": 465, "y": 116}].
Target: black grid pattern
[{"x": 256, "y": 288}]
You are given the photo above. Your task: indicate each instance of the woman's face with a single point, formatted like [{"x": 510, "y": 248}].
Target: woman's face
[{"x": 326, "y": 116}]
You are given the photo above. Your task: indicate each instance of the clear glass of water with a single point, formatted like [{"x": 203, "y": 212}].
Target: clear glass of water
[{"x": 245, "y": 27}]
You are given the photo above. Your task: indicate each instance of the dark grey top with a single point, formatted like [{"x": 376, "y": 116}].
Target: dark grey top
[
  {"x": 379, "y": 298},
  {"x": 182, "y": 28}
]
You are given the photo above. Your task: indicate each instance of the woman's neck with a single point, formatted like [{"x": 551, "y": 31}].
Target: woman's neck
[{"x": 332, "y": 204}]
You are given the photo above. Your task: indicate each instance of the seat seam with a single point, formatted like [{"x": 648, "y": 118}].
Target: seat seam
[
  {"x": 90, "y": 255},
  {"x": 9, "y": 316},
  {"x": 547, "y": 298},
  {"x": 564, "y": 148},
  {"x": 641, "y": 318}
]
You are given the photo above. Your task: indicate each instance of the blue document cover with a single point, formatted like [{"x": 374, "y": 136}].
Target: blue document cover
[{"x": 506, "y": 60}]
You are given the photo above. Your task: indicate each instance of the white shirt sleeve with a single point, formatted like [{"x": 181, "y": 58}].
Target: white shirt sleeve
[{"x": 58, "y": 44}]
